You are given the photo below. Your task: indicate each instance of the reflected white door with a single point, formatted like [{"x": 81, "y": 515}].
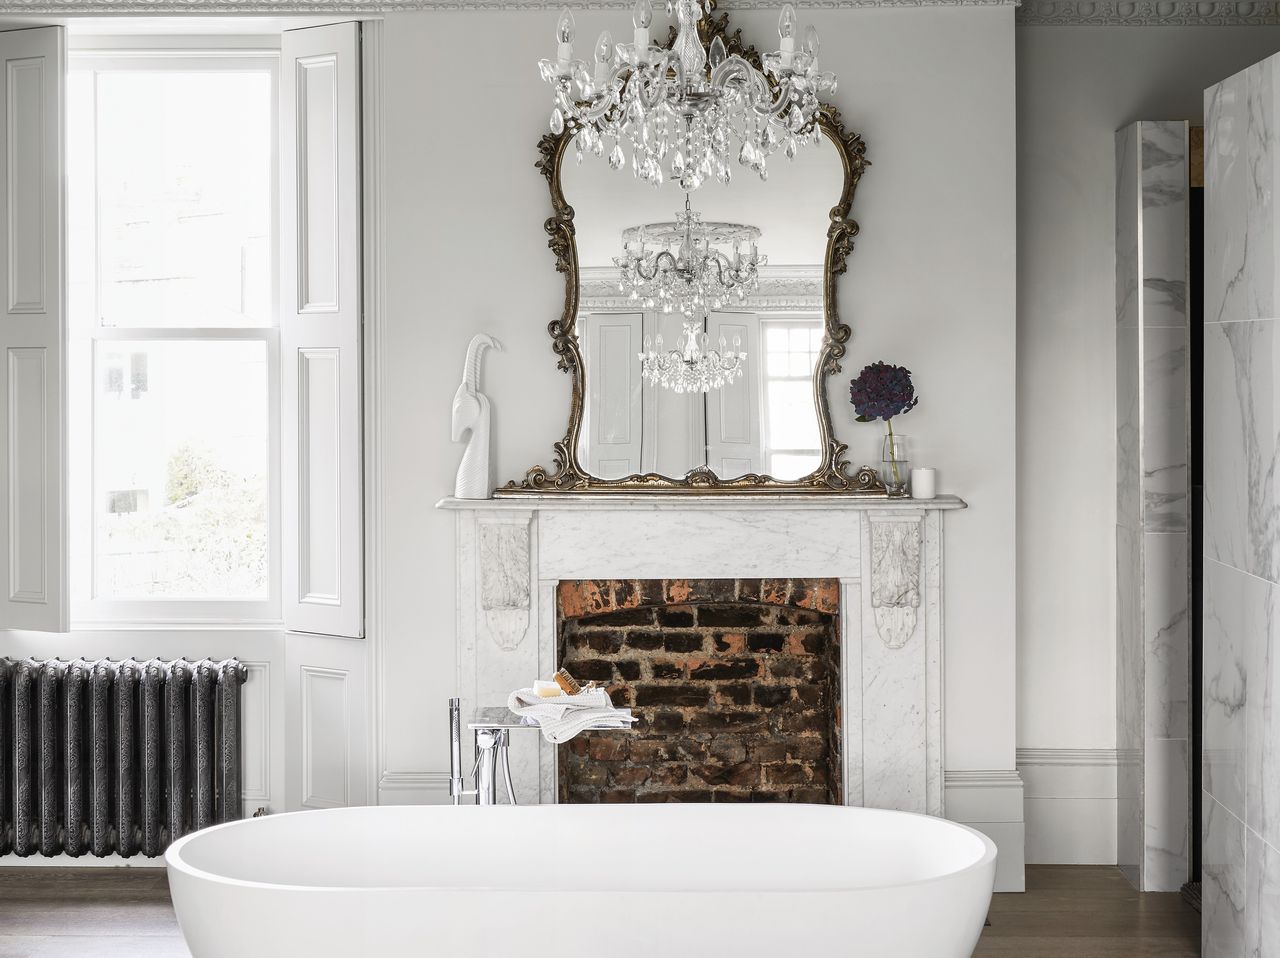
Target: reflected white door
[{"x": 733, "y": 412}]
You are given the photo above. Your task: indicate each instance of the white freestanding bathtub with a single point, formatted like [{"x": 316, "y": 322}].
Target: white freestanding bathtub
[{"x": 549, "y": 881}]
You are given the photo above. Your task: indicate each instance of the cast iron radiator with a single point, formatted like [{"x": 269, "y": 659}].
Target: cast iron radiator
[{"x": 102, "y": 757}]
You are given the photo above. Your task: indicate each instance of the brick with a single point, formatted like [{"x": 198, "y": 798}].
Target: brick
[
  {"x": 732, "y": 694},
  {"x": 766, "y": 641},
  {"x": 811, "y": 696},
  {"x": 647, "y": 751},
  {"x": 669, "y": 775},
  {"x": 749, "y": 590},
  {"x": 768, "y": 751},
  {"x": 742, "y": 774},
  {"x": 591, "y": 670},
  {"x": 630, "y": 775},
  {"x": 682, "y": 641},
  {"x": 602, "y": 643},
  {"x": 771, "y": 696},
  {"x": 696, "y": 795},
  {"x": 617, "y": 796},
  {"x": 727, "y": 721},
  {"x": 727, "y": 750},
  {"x": 730, "y": 795},
  {"x": 799, "y": 722},
  {"x": 735, "y": 669},
  {"x": 644, "y": 641},
  {"x": 586, "y": 597},
  {"x": 678, "y": 695},
  {"x": 691, "y": 750},
  {"x": 676, "y": 617},
  {"x": 775, "y": 591},
  {"x": 625, "y": 617},
  {"x": 826, "y": 597},
  {"x": 728, "y": 616},
  {"x": 666, "y": 722},
  {"x": 652, "y": 592},
  {"x": 590, "y": 773},
  {"x": 607, "y": 748},
  {"x": 662, "y": 669},
  {"x": 759, "y": 796},
  {"x": 810, "y": 796},
  {"x": 577, "y": 746},
  {"x": 735, "y": 643},
  {"x": 788, "y": 774},
  {"x": 626, "y": 594},
  {"x": 628, "y": 670},
  {"x": 806, "y": 643},
  {"x": 677, "y": 592},
  {"x": 808, "y": 749},
  {"x": 622, "y": 697},
  {"x": 798, "y": 617}
]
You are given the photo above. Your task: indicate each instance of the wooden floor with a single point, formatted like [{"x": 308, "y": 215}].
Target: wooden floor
[
  {"x": 1086, "y": 911},
  {"x": 1067, "y": 912}
]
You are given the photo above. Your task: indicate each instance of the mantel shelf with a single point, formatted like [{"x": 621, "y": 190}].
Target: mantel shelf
[{"x": 737, "y": 502}]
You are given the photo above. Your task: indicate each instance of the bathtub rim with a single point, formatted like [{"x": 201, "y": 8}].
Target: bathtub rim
[{"x": 173, "y": 861}]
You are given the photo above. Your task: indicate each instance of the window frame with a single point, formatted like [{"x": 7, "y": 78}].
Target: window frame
[
  {"x": 89, "y": 611},
  {"x": 768, "y": 320}
]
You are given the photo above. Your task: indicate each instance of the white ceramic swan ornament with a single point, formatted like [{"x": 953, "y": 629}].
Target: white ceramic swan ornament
[{"x": 471, "y": 413}]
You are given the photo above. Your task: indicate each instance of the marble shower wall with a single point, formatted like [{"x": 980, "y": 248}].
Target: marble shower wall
[
  {"x": 1241, "y": 892},
  {"x": 1152, "y": 545}
]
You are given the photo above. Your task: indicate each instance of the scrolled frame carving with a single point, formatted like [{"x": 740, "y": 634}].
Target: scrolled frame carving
[{"x": 835, "y": 474}]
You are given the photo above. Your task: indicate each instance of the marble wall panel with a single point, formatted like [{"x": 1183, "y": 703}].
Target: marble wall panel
[
  {"x": 1166, "y": 390},
  {"x": 1223, "y": 892}
]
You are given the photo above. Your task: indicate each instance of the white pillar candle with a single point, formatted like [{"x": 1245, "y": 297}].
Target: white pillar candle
[{"x": 923, "y": 484}]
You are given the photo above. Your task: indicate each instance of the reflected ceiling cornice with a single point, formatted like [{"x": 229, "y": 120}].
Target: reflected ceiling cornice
[
  {"x": 69, "y": 7},
  {"x": 1148, "y": 13}
]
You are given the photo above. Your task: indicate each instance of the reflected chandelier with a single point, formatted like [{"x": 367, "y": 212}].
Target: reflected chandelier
[
  {"x": 697, "y": 276},
  {"x": 693, "y": 366},
  {"x": 679, "y": 110}
]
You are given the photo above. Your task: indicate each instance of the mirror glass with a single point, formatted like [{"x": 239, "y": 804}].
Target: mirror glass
[{"x": 764, "y": 420}]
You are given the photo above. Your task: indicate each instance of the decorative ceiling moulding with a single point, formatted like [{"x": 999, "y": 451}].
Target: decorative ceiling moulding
[
  {"x": 373, "y": 7},
  {"x": 1149, "y": 13}
]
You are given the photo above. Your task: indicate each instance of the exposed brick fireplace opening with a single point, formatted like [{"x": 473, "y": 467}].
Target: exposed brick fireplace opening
[{"x": 736, "y": 684}]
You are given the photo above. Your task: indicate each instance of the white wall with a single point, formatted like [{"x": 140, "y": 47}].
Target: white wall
[
  {"x": 1076, "y": 87},
  {"x": 930, "y": 286}
]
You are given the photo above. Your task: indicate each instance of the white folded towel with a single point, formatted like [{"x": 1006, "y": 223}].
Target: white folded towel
[{"x": 563, "y": 717}]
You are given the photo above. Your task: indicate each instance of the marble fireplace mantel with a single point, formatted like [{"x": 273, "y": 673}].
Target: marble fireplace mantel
[{"x": 886, "y": 553}]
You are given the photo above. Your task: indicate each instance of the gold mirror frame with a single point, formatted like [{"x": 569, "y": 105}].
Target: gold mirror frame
[{"x": 834, "y": 474}]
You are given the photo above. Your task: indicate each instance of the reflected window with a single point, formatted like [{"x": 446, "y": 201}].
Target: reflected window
[{"x": 791, "y": 347}]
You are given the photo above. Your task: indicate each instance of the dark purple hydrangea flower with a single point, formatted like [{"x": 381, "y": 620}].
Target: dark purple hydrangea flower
[{"x": 882, "y": 391}]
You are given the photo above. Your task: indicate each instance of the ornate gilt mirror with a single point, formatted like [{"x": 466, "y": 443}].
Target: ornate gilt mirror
[{"x": 756, "y": 320}]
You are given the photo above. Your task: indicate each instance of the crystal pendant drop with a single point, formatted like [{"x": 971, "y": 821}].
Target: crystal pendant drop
[
  {"x": 557, "y": 121},
  {"x": 616, "y": 159}
]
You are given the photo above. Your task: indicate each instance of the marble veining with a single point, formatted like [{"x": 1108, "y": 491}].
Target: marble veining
[
  {"x": 1223, "y": 893},
  {"x": 1242, "y": 446},
  {"x": 1152, "y": 507},
  {"x": 1227, "y": 624}
]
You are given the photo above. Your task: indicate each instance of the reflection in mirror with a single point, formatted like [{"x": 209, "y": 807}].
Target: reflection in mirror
[{"x": 732, "y": 284}]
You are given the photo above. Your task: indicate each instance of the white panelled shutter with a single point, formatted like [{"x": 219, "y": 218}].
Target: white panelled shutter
[
  {"x": 320, "y": 330},
  {"x": 733, "y": 412},
  {"x": 614, "y": 419},
  {"x": 33, "y": 487}
]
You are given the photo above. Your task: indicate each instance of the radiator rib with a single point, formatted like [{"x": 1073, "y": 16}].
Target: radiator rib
[{"x": 104, "y": 757}]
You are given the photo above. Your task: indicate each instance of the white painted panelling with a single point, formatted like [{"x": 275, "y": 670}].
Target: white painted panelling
[
  {"x": 326, "y": 722},
  {"x": 614, "y": 410},
  {"x": 320, "y": 331},
  {"x": 32, "y": 333},
  {"x": 326, "y": 755},
  {"x": 733, "y": 412},
  {"x": 1070, "y": 806},
  {"x": 319, "y": 488}
]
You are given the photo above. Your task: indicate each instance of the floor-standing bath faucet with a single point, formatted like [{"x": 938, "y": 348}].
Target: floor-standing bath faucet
[{"x": 492, "y": 745}]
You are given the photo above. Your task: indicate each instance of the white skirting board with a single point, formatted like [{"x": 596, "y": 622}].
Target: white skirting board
[
  {"x": 991, "y": 802},
  {"x": 1070, "y": 805}
]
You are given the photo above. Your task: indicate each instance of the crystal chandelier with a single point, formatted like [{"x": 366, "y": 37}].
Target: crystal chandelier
[
  {"x": 677, "y": 266},
  {"x": 693, "y": 366},
  {"x": 681, "y": 111}
]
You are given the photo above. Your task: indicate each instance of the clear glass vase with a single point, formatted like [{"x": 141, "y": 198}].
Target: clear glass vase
[{"x": 895, "y": 467}]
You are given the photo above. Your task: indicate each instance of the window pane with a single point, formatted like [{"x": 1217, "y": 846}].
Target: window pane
[
  {"x": 184, "y": 163},
  {"x": 793, "y": 423},
  {"x": 792, "y": 465},
  {"x": 180, "y": 472}
]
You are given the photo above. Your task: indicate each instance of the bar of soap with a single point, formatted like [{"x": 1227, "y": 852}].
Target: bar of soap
[{"x": 547, "y": 690}]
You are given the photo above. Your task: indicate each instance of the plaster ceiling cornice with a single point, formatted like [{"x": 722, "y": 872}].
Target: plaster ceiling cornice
[{"x": 1148, "y": 13}]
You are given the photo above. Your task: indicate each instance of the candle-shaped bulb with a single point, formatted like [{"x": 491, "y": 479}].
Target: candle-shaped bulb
[
  {"x": 786, "y": 22},
  {"x": 811, "y": 42},
  {"x": 565, "y": 27},
  {"x": 718, "y": 53},
  {"x": 604, "y": 48},
  {"x": 642, "y": 14}
]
